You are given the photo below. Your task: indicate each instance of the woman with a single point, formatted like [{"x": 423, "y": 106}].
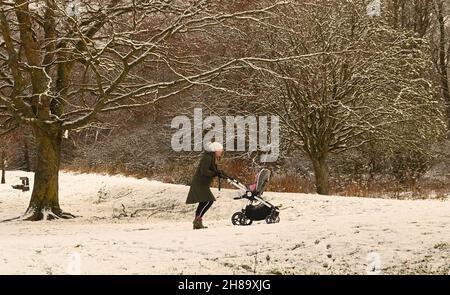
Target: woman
[{"x": 200, "y": 192}]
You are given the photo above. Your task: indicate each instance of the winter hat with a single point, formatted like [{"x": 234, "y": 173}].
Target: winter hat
[{"x": 215, "y": 146}]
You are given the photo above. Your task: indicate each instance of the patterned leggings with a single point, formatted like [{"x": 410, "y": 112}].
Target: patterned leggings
[{"x": 202, "y": 208}]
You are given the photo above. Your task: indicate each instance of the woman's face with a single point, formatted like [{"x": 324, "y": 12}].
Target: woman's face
[{"x": 219, "y": 154}]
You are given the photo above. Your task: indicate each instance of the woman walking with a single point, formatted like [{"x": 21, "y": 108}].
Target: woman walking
[{"x": 200, "y": 191}]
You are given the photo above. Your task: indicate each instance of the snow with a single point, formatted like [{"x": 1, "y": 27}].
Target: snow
[{"x": 317, "y": 234}]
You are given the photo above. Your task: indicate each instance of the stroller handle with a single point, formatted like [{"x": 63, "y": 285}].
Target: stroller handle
[
  {"x": 230, "y": 180},
  {"x": 225, "y": 176}
]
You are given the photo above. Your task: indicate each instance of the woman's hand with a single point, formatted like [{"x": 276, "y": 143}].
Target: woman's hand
[{"x": 221, "y": 174}]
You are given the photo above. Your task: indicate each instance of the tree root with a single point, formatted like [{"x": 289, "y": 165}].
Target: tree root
[{"x": 43, "y": 214}]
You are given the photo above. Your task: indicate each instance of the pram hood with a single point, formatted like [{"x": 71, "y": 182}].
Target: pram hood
[{"x": 261, "y": 180}]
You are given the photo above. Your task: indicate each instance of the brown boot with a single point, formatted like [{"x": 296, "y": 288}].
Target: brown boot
[{"x": 198, "y": 224}]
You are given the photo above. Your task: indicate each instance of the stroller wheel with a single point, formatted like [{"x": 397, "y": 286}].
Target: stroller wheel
[
  {"x": 236, "y": 218},
  {"x": 272, "y": 219},
  {"x": 245, "y": 220}
]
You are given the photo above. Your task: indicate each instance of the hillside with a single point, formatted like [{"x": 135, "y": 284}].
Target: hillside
[{"x": 316, "y": 235}]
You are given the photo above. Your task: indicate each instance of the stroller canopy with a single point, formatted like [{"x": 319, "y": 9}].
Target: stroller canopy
[{"x": 261, "y": 180}]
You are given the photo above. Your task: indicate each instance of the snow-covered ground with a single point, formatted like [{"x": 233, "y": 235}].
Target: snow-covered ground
[{"x": 316, "y": 235}]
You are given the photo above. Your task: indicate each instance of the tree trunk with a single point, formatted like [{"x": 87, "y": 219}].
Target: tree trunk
[
  {"x": 321, "y": 175},
  {"x": 44, "y": 203},
  {"x": 2, "y": 164}
]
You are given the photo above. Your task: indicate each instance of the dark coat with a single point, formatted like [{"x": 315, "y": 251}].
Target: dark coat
[{"x": 206, "y": 171}]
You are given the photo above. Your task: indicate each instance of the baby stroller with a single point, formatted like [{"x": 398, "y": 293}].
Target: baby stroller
[{"x": 262, "y": 210}]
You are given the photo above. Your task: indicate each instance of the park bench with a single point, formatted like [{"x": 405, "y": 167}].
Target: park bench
[{"x": 25, "y": 186}]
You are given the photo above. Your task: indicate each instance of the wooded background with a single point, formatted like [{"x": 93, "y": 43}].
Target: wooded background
[{"x": 363, "y": 100}]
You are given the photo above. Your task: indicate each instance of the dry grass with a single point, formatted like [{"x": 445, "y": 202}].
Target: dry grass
[
  {"x": 181, "y": 173},
  {"x": 104, "y": 169},
  {"x": 421, "y": 189}
]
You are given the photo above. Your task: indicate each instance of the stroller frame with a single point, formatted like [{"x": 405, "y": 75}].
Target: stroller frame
[{"x": 240, "y": 217}]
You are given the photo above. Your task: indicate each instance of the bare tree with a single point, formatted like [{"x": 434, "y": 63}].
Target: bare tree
[
  {"x": 63, "y": 63},
  {"x": 6, "y": 133},
  {"x": 363, "y": 82},
  {"x": 412, "y": 15},
  {"x": 6, "y": 139},
  {"x": 443, "y": 54},
  {"x": 3, "y": 164}
]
